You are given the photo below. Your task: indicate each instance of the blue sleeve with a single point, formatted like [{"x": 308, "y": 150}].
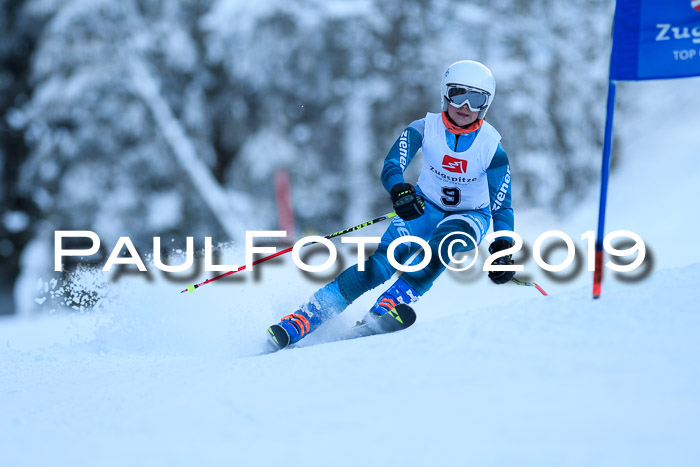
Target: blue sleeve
[
  {"x": 401, "y": 154},
  {"x": 498, "y": 175}
]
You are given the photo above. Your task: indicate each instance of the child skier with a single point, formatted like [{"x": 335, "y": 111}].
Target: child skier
[{"x": 463, "y": 184}]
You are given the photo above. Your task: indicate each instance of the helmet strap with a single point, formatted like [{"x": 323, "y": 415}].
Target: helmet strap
[{"x": 460, "y": 130}]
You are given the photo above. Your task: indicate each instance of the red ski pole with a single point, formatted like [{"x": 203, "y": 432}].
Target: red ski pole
[
  {"x": 531, "y": 284},
  {"x": 190, "y": 288}
]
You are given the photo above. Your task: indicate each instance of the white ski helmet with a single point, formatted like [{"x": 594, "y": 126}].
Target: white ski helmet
[{"x": 463, "y": 77}]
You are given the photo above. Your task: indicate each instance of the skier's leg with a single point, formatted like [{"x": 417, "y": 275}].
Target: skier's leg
[
  {"x": 411, "y": 285},
  {"x": 351, "y": 283},
  {"x": 469, "y": 227},
  {"x": 354, "y": 282}
]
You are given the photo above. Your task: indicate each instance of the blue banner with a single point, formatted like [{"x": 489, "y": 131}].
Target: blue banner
[{"x": 655, "y": 39}]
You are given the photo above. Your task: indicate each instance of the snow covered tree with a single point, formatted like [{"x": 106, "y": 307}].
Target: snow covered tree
[
  {"x": 100, "y": 158},
  {"x": 17, "y": 213},
  {"x": 336, "y": 84}
]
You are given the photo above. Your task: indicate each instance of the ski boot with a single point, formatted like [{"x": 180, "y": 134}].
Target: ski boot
[
  {"x": 323, "y": 305},
  {"x": 292, "y": 328},
  {"x": 395, "y": 302}
]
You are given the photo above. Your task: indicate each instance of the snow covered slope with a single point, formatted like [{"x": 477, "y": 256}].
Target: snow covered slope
[{"x": 557, "y": 381}]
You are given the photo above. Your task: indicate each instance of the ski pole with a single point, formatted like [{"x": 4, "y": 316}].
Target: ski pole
[
  {"x": 190, "y": 288},
  {"x": 531, "y": 284}
]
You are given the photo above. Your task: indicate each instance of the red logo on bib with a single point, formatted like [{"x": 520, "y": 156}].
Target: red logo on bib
[
  {"x": 695, "y": 4},
  {"x": 451, "y": 164}
]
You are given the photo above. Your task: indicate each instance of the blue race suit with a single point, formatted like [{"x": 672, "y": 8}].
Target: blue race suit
[{"x": 465, "y": 181}]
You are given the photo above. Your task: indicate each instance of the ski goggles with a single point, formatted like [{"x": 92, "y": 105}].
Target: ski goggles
[{"x": 476, "y": 99}]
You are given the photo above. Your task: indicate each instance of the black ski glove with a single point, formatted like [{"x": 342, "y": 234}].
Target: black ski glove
[
  {"x": 501, "y": 277},
  {"x": 407, "y": 203}
]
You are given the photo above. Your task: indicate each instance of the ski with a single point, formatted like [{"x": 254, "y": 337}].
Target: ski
[
  {"x": 400, "y": 317},
  {"x": 397, "y": 319},
  {"x": 278, "y": 337}
]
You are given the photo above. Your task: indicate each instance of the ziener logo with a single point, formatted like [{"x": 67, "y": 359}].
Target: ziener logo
[
  {"x": 452, "y": 164},
  {"x": 403, "y": 149}
]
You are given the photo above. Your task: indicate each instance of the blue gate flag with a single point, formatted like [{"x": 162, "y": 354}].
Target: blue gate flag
[
  {"x": 655, "y": 39},
  {"x": 652, "y": 39}
]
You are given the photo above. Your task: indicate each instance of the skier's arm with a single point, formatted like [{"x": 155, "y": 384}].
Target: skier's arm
[
  {"x": 401, "y": 154},
  {"x": 498, "y": 175}
]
